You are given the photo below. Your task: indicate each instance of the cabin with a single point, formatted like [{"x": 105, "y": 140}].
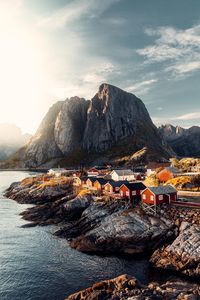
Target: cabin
[
  {"x": 97, "y": 171},
  {"x": 99, "y": 184},
  {"x": 122, "y": 174},
  {"x": 112, "y": 186},
  {"x": 131, "y": 190},
  {"x": 159, "y": 195},
  {"x": 90, "y": 181},
  {"x": 92, "y": 172}
]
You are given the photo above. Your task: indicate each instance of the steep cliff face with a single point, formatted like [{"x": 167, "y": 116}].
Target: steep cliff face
[
  {"x": 70, "y": 124},
  {"x": 184, "y": 142},
  {"x": 113, "y": 125},
  {"x": 113, "y": 114}
]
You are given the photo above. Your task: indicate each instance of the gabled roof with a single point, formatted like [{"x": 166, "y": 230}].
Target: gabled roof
[
  {"x": 102, "y": 181},
  {"x": 135, "y": 186},
  {"x": 92, "y": 179},
  {"x": 117, "y": 183},
  {"x": 162, "y": 189},
  {"x": 123, "y": 172}
]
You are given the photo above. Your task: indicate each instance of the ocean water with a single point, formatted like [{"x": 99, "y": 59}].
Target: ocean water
[{"x": 36, "y": 265}]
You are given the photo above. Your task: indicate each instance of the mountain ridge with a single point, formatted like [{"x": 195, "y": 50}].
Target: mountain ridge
[
  {"x": 184, "y": 142},
  {"x": 112, "y": 127}
]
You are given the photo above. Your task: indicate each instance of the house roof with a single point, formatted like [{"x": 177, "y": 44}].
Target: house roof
[
  {"x": 134, "y": 186},
  {"x": 102, "y": 181},
  {"x": 117, "y": 183},
  {"x": 123, "y": 172},
  {"x": 92, "y": 179},
  {"x": 163, "y": 189}
]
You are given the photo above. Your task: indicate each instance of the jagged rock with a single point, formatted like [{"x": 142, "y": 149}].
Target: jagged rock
[
  {"x": 126, "y": 287},
  {"x": 113, "y": 228},
  {"x": 113, "y": 125},
  {"x": 184, "y": 142},
  {"x": 183, "y": 254}
]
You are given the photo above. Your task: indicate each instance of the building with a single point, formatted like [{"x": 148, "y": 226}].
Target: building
[
  {"x": 131, "y": 190},
  {"x": 97, "y": 171},
  {"x": 122, "y": 174},
  {"x": 93, "y": 172},
  {"x": 90, "y": 181},
  {"x": 57, "y": 172},
  {"x": 112, "y": 186},
  {"x": 99, "y": 184},
  {"x": 159, "y": 195}
]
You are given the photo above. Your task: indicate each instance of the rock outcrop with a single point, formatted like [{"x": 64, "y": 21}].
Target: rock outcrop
[
  {"x": 126, "y": 287},
  {"x": 113, "y": 125},
  {"x": 114, "y": 228},
  {"x": 183, "y": 254},
  {"x": 184, "y": 142}
]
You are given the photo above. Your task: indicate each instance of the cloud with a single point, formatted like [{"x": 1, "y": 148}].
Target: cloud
[
  {"x": 189, "y": 116},
  {"x": 141, "y": 87},
  {"x": 179, "y": 49},
  {"x": 182, "y": 118},
  {"x": 74, "y": 10}
]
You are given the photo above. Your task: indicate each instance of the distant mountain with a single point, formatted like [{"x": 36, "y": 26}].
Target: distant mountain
[
  {"x": 11, "y": 139},
  {"x": 184, "y": 142},
  {"x": 114, "y": 127}
]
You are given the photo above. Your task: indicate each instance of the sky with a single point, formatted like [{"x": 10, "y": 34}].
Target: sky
[{"x": 52, "y": 50}]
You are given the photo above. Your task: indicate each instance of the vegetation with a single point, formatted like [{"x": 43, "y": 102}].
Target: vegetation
[
  {"x": 180, "y": 182},
  {"x": 152, "y": 180}
]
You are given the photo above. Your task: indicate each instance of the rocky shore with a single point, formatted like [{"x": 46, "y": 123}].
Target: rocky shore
[
  {"x": 171, "y": 238},
  {"x": 127, "y": 287}
]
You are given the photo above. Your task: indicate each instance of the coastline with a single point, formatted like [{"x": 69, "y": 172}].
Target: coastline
[{"x": 78, "y": 216}]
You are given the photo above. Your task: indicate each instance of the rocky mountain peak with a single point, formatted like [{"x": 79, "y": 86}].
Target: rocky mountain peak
[{"x": 78, "y": 128}]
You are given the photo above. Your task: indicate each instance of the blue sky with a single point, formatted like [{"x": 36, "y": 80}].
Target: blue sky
[{"x": 150, "y": 48}]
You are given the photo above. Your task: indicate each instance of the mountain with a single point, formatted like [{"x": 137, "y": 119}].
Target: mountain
[
  {"x": 11, "y": 139},
  {"x": 184, "y": 142},
  {"x": 113, "y": 127}
]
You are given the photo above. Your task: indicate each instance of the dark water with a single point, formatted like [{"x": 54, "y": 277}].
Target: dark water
[{"x": 36, "y": 265}]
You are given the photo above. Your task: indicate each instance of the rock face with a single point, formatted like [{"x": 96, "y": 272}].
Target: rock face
[
  {"x": 114, "y": 124},
  {"x": 113, "y": 228},
  {"x": 184, "y": 142},
  {"x": 70, "y": 125},
  {"x": 183, "y": 254},
  {"x": 126, "y": 287}
]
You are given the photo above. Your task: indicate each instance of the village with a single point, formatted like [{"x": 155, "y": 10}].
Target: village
[{"x": 134, "y": 185}]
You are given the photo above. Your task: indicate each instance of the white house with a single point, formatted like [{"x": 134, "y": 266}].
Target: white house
[
  {"x": 57, "y": 172},
  {"x": 122, "y": 174}
]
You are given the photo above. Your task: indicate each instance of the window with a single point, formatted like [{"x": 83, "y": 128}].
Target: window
[
  {"x": 144, "y": 196},
  {"x": 127, "y": 194},
  {"x": 160, "y": 197},
  {"x": 121, "y": 193},
  {"x": 133, "y": 193},
  {"x": 152, "y": 197}
]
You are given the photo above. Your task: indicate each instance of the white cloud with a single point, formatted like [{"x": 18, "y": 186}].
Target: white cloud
[
  {"x": 180, "y": 49},
  {"x": 141, "y": 87},
  {"x": 74, "y": 10},
  {"x": 189, "y": 116}
]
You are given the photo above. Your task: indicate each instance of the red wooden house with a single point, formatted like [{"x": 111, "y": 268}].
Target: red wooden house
[
  {"x": 159, "y": 195},
  {"x": 113, "y": 186},
  {"x": 131, "y": 190}
]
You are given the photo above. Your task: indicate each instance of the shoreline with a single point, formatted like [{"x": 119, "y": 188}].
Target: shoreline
[{"x": 81, "y": 221}]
